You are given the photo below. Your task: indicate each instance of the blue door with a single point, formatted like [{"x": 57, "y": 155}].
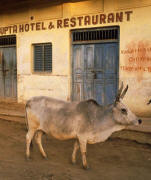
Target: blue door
[
  {"x": 8, "y": 72},
  {"x": 95, "y": 72}
]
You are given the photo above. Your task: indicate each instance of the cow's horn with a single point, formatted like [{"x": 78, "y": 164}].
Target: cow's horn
[
  {"x": 119, "y": 92},
  {"x": 124, "y": 92}
]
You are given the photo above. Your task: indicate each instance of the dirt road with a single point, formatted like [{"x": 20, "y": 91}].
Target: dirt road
[{"x": 114, "y": 159}]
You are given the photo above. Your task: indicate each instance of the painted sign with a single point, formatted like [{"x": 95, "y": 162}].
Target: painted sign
[
  {"x": 137, "y": 58},
  {"x": 68, "y": 22}
]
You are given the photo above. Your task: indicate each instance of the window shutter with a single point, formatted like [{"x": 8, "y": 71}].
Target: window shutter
[
  {"x": 38, "y": 58},
  {"x": 43, "y": 57},
  {"x": 48, "y": 57}
]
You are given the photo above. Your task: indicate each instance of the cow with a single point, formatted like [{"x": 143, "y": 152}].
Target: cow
[{"x": 85, "y": 121}]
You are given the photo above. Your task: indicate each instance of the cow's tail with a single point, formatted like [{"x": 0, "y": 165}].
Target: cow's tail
[
  {"x": 26, "y": 119},
  {"x": 26, "y": 115}
]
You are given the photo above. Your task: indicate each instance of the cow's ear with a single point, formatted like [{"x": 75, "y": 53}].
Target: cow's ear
[{"x": 116, "y": 102}]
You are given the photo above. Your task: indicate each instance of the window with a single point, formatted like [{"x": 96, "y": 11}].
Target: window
[
  {"x": 43, "y": 57},
  {"x": 109, "y": 33},
  {"x": 7, "y": 40}
]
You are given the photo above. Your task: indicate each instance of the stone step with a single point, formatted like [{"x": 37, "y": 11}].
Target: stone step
[{"x": 13, "y": 118}]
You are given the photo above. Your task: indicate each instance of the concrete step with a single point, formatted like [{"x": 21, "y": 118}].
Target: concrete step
[
  {"x": 12, "y": 111},
  {"x": 15, "y": 118}
]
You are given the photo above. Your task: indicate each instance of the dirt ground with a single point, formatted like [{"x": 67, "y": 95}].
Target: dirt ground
[{"x": 115, "y": 159}]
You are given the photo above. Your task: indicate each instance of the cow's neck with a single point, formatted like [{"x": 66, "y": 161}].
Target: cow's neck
[
  {"x": 108, "y": 123},
  {"x": 104, "y": 129}
]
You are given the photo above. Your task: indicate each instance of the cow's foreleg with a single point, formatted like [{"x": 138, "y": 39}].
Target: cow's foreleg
[
  {"x": 38, "y": 137},
  {"x": 29, "y": 137},
  {"x": 83, "y": 144},
  {"x": 75, "y": 149}
]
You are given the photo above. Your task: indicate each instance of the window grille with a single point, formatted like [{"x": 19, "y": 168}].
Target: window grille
[
  {"x": 43, "y": 57},
  {"x": 94, "y": 35},
  {"x": 7, "y": 40}
]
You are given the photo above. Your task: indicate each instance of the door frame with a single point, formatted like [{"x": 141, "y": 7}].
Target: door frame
[
  {"x": 10, "y": 99},
  {"x": 72, "y": 43}
]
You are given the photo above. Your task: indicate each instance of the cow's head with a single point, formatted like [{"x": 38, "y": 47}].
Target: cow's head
[{"x": 122, "y": 114}]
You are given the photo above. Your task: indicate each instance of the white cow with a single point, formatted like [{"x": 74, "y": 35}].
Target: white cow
[{"x": 85, "y": 121}]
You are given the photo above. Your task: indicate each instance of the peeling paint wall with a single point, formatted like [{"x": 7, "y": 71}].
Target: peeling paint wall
[
  {"x": 53, "y": 84},
  {"x": 134, "y": 52},
  {"x": 135, "y": 60}
]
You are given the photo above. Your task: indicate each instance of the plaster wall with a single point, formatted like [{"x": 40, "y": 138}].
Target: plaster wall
[{"x": 134, "y": 47}]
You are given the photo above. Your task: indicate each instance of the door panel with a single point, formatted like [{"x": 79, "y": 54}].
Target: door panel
[
  {"x": 110, "y": 71},
  {"x": 14, "y": 74},
  {"x": 88, "y": 89},
  {"x": 88, "y": 71},
  {"x": 97, "y": 66},
  {"x": 99, "y": 92},
  {"x": 89, "y": 57},
  {"x": 99, "y": 69},
  {"x": 8, "y": 73},
  {"x": 1, "y": 74},
  {"x": 78, "y": 70},
  {"x": 78, "y": 91},
  {"x": 110, "y": 91},
  {"x": 110, "y": 58}
]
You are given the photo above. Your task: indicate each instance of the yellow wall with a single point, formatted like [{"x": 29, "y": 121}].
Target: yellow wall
[{"x": 134, "y": 34}]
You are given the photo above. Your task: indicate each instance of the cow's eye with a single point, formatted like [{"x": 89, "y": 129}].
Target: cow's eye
[{"x": 124, "y": 111}]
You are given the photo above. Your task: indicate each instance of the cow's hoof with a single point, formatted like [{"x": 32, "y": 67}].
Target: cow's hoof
[
  {"x": 28, "y": 158},
  {"x": 45, "y": 157},
  {"x": 73, "y": 162},
  {"x": 86, "y": 167}
]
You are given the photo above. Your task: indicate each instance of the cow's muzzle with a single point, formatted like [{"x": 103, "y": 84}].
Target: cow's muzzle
[{"x": 139, "y": 121}]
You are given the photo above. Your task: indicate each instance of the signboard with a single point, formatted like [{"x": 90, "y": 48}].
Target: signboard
[{"x": 78, "y": 21}]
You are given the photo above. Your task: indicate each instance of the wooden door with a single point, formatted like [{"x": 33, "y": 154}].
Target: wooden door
[
  {"x": 8, "y": 72},
  {"x": 95, "y": 72}
]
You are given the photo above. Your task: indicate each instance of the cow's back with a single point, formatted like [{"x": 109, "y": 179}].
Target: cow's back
[
  {"x": 62, "y": 119},
  {"x": 52, "y": 115},
  {"x": 44, "y": 101}
]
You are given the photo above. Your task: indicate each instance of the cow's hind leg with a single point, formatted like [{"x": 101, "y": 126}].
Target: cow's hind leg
[
  {"x": 38, "y": 137},
  {"x": 29, "y": 137},
  {"x": 83, "y": 145},
  {"x": 75, "y": 149}
]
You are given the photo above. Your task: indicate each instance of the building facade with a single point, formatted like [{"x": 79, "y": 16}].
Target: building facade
[{"x": 74, "y": 50}]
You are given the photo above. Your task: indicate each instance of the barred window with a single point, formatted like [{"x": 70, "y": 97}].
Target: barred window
[
  {"x": 7, "y": 40},
  {"x": 109, "y": 33},
  {"x": 43, "y": 57}
]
